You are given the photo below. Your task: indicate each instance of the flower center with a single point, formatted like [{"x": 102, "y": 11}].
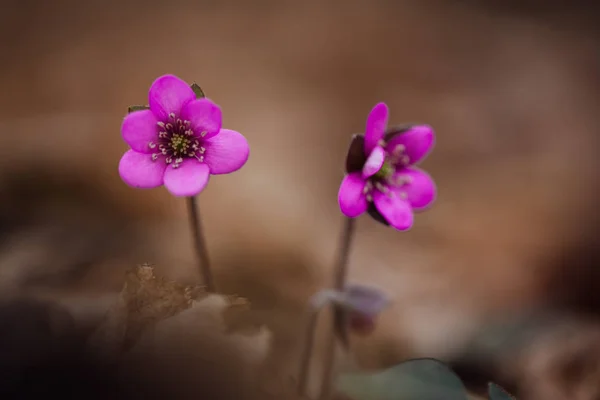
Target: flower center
[
  {"x": 385, "y": 172},
  {"x": 177, "y": 141},
  {"x": 386, "y": 181}
]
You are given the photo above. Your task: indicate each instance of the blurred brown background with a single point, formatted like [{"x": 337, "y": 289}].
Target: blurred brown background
[{"x": 512, "y": 89}]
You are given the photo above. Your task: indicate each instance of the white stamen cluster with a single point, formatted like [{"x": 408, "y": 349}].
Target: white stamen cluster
[
  {"x": 177, "y": 141},
  {"x": 398, "y": 156}
]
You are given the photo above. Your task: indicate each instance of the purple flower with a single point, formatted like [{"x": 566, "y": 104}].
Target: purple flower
[
  {"x": 363, "y": 305},
  {"x": 382, "y": 179},
  {"x": 178, "y": 141},
  {"x": 360, "y": 304}
]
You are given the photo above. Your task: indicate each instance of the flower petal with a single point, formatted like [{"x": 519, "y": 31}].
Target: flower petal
[
  {"x": 419, "y": 189},
  {"x": 138, "y": 129},
  {"x": 139, "y": 171},
  {"x": 356, "y": 158},
  {"x": 374, "y": 162},
  {"x": 226, "y": 152},
  {"x": 188, "y": 179},
  {"x": 394, "y": 209},
  {"x": 376, "y": 124},
  {"x": 168, "y": 94},
  {"x": 364, "y": 299},
  {"x": 351, "y": 197},
  {"x": 204, "y": 115},
  {"x": 417, "y": 141}
]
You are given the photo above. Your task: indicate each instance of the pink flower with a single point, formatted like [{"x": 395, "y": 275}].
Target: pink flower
[
  {"x": 178, "y": 141},
  {"x": 382, "y": 179}
]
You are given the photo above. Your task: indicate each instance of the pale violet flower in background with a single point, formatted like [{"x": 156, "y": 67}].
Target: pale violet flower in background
[{"x": 361, "y": 305}]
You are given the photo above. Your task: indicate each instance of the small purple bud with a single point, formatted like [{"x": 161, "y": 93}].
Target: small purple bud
[{"x": 364, "y": 300}]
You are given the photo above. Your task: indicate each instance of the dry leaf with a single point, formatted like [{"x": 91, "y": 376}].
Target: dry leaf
[
  {"x": 184, "y": 343},
  {"x": 144, "y": 300},
  {"x": 239, "y": 317},
  {"x": 540, "y": 355},
  {"x": 191, "y": 353},
  {"x": 562, "y": 364}
]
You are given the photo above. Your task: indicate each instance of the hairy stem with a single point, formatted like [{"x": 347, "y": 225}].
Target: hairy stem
[
  {"x": 340, "y": 274},
  {"x": 317, "y": 304},
  {"x": 200, "y": 244}
]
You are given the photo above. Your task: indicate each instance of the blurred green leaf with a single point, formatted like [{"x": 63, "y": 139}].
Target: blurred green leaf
[
  {"x": 131, "y": 109},
  {"x": 419, "y": 379},
  {"x": 198, "y": 91},
  {"x": 497, "y": 393}
]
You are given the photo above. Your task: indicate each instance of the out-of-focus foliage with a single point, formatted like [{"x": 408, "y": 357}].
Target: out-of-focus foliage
[
  {"x": 497, "y": 393},
  {"x": 420, "y": 379}
]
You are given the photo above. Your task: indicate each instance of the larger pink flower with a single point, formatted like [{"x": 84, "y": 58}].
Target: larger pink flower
[
  {"x": 178, "y": 141},
  {"x": 381, "y": 175}
]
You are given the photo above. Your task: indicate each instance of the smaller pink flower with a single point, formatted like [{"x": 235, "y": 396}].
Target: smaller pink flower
[
  {"x": 178, "y": 142},
  {"x": 381, "y": 178}
]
